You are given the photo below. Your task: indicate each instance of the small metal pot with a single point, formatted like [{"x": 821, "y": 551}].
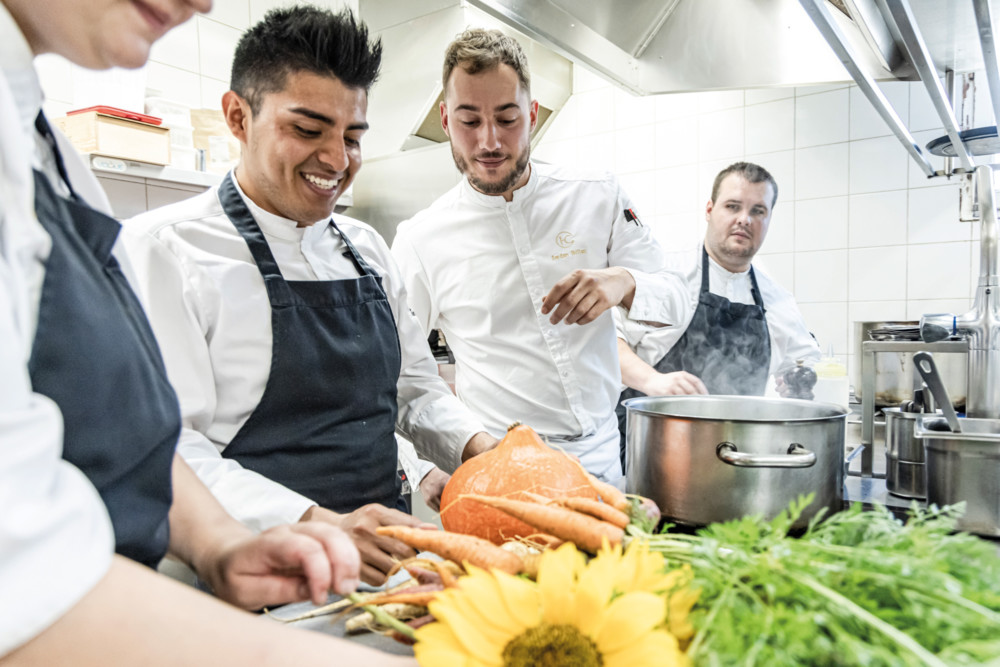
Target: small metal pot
[
  {"x": 714, "y": 458},
  {"x": 964, "y": 467},
  {"x": 904, "y": 455}
]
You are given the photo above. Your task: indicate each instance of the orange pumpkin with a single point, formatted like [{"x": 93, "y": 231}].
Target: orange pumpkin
[{"x": 520, "y": 462}]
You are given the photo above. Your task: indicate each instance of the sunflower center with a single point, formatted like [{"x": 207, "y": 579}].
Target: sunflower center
[{"x": 551, "y": 646}]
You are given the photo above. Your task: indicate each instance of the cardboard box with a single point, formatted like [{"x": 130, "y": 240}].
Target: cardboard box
[
  {"x": 212, "y": 135},
  {"x": 93, "y": 132}
]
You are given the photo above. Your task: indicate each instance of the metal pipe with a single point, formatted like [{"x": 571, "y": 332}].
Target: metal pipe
[
  {"x": 915, "y": 46},
  {"x": 988, "y": 226},
  {"x": 981, "y": 325},
  {"x": 984, "y": 22},
  {"x": 835, "y": 37}
]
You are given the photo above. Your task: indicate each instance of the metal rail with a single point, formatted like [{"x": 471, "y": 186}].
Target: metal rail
[
  {"x": 835, "y": 37},
  {"x": 916, "y": 48},
  {"x": 984, "y": 24}
]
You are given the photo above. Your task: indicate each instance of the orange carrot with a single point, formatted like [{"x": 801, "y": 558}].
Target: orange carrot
[
  {"x": 583, "y": 530},
  {"x": 447, "y": 578},
  {"x": 607, "y": 492},
  {"x": 421, "y": 598},
  {"x": 596, "y": 509},
  {"x": 455, "y": 546}
]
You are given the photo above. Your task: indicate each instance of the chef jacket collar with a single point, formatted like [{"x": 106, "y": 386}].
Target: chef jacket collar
[
  {"x": 16, "y": 60},
  {"x": 276, "y": 225},
  {"x": 496, "y": 201}
]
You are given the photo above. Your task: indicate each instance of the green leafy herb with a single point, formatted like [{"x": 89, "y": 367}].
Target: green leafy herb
[{"x": 858, "y": 588}]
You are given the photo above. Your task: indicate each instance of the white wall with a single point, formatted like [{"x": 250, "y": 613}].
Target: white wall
[
  {"x": 189, "y": 65},
  {"x": 858, "y": 232}
]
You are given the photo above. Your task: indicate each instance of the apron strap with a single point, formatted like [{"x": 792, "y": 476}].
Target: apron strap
[
  {"x": 754, "y": 289},
  {"x": 45, "y": 130},
  {"x": 237, "y": 211}
]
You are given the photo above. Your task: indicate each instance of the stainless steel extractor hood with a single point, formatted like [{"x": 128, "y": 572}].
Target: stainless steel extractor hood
[
  {"x": 668, "y": 46},
  {"x": 403, "y": 105}
]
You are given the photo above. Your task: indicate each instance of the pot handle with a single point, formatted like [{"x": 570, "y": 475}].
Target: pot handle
[{"x": 797, "y": 457}]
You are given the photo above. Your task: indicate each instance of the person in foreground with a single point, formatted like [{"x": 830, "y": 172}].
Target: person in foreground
[
  {"x": 734, "y": 327},
  {"x": 519, "y": 264},
  {"x": 89, "y": 423},
  {"x": 285, "y": 328}
]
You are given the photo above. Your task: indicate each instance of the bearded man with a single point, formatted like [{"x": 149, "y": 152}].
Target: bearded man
[{"x": 520, "y": 263}]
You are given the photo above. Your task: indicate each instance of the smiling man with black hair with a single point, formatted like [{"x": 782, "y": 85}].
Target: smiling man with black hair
[{"x": 285, "y": 328}]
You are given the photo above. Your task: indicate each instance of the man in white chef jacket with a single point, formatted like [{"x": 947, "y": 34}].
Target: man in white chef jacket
[
  {"x": 285, "y": 328},
  {"x": 520, "y": 263},
  {"x": 732, "y": 326},
  {"x": 86, "y": 494}
]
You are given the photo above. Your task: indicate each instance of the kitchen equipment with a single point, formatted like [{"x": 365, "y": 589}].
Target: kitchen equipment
[
  {"x": 872, "y": 353},
  {"x": 924, "y": 362},
  {"x": 893, "y": 368},
  {"x": 905, "y": 465},
  {"x": 981, "y": 324},
  {"x": 964, "y": 467},
  {"x": 714, "y": 458}
]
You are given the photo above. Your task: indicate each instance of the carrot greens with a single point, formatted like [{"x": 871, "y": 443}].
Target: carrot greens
[{"x": 857, "y": 588}]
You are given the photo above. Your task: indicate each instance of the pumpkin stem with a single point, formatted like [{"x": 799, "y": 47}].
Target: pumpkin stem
[{"x": 513, "y": 426}]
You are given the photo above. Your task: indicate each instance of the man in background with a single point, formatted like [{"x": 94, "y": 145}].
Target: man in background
[{"x": 731, "y": 327}]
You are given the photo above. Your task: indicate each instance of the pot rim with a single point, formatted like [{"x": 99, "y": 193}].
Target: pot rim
[
  {"x": 834, "y": 411},
  {"x": 923, "y": 432}
]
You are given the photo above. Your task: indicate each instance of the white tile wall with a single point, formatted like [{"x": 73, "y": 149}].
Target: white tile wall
[
  {"x": 821, "y": 223},
  {"x": 821, "y": 119},
  {"x": 858, "y": 233}
]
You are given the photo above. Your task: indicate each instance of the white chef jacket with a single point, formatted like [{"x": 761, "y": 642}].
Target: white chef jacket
[
  {"x": 209, "y": 309},
  {"x": 790, "y": 339},
  {"x": 477, "y": 267},
  {"x": 56, "y": 540}
]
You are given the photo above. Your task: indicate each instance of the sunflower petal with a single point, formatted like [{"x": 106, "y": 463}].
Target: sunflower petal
[
  {"x": 485, "y": 591},
  {"x": 557, "y": 573},
  {"x": 470, "y": 632},
  {"x": 657, "y": 648},
  {"x": 520, "y": 598},
  {"x": 438, "y": 645},
  {"x": 628, "y": 618}
]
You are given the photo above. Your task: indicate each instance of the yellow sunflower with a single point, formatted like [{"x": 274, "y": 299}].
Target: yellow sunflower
[{"x": 612, "y": 611}]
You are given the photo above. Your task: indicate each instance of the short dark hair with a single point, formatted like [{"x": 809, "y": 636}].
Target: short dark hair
[
  {"x": 303, "y": 38},
  {"x": 753, "y": 173},
  {"x": 479, "y": 50}
]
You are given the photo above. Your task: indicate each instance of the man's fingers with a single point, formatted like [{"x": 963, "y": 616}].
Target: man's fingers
[
  {"x": 557, "y": 293},
  {"x": 344, "y": 560}
]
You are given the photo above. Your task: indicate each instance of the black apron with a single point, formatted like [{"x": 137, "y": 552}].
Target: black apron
[
  {"x": 726, "y": 345},
  {"x": 94, "y": 354},
  {"x": 325, "y": 426}
]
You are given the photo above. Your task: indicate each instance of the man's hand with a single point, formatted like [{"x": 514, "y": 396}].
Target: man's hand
[
  {"x": 583, "y": 295},
  {"x": 431, "y": 487},
  {"x": 283, "y": 564},
  {"x": 477, "y": 444},
  {"x": 378, "y": 552},
  {"x": 678, "y": 383}
]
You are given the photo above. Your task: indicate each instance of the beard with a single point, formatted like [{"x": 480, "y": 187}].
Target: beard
[
  {"x": 738, "y": 251},
  {"x": 506, "y": 182}
]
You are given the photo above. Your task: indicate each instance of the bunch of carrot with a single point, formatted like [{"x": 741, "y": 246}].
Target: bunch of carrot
[{"x": 589, "y": 524}]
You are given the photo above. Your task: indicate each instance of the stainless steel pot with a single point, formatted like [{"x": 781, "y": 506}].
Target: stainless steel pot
[
  {"x": 904, "y": 455},
  {"x": 714, "y": 458},
  {"x": 964, "y": 467},
  {"x": 894, "y": 373}
]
